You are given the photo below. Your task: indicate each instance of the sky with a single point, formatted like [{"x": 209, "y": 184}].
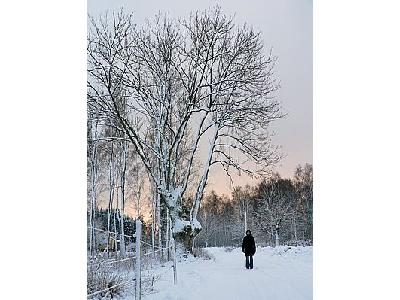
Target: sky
[{"x": 286, "y": 26}]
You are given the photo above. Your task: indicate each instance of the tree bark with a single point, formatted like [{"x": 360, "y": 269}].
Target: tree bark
[
  {"x": 122, "y": 199},
  {"x": 277, "y": 235}
]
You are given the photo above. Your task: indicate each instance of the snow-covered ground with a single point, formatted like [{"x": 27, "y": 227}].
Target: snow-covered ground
[{"x": 281, "y": 273}]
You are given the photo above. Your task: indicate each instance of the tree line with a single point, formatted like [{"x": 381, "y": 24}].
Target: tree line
[{"x": 277, "y": 211}]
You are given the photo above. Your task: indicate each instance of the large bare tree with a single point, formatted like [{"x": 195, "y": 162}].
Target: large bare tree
[{"x": 173, "y": 84}]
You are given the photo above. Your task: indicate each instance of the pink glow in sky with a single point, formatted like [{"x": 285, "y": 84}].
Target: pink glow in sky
[{"x": 286, "y": 25}]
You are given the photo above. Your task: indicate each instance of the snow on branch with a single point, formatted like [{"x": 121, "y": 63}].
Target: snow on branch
[{"x": 156, "y": 82}]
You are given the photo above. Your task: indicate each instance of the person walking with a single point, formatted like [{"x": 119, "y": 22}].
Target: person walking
[{"x": 249, "y": 249}]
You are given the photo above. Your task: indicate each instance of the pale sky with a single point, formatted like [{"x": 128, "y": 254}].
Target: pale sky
[{"x": 286, "y": 25}]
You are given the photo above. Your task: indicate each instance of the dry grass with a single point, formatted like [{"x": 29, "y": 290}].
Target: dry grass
[
  {"x": 111, "y": 279},
  {"x": 110, "y": 283}
]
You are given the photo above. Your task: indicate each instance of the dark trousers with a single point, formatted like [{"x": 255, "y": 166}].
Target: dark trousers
[{"x": 249, "y": 261}]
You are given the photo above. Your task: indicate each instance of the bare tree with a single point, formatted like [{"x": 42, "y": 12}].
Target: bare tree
[
  {"x": 303, "y": 182},
  {"x": 93, "y": 175},
  {"x": 278, "y": 203},
  {"x": 111, "y": 194},
  {"x": 244, "y": 197},
  {"x": 181, "y": 82}
]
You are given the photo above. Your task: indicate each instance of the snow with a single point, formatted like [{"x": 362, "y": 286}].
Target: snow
[
  {"x": 280, "y": 273},
  {"x": 180, "y": 225},
  {"x": 196, "y": 224},
  {"x": 173, "y": 195}
]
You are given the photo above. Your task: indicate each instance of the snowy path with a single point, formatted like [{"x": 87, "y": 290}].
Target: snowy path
[{"x": 278, "y": 275}]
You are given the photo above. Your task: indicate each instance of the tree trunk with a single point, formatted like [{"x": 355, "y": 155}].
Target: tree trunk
[
  {"x": 168, "y": 235},
  {"x": 277, "y": 236},
  {"x": 159, "y": 231},
  {"x": 245, "y": 221},
  {"x": 122, "y": 237},
  {"x": 115, "y": 235},
  {"x": 122, "y": 199},
  {"x": 138, "y": 233},
  {"x": 186, "y": 240},
  {"x": 152, "y": 230},
  {"x": 272, "y": 235},
  {"x": 110, "y": 200},
  {"x": 174, "y": 261},
  {"x": 92, "y": 242}
]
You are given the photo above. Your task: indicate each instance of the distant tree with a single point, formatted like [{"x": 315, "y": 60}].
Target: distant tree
[
  {"x": 303, "y": 182},
  {"x": 93, "y": 177},
  {"x": 277, "y": 201},
  {"x": 245, "y": 198},
  {"x": 208, "y": 216}
]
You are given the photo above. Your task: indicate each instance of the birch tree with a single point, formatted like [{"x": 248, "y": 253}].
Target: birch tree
[
  {"x": 93, "y": 176},
  {"x": 97, "y": 157},
  {"x": 183, "y": 82},
  {"x": 244, "y": 197}
]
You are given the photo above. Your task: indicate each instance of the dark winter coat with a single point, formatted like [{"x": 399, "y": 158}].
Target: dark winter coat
[{"x": 248, "y": 245}]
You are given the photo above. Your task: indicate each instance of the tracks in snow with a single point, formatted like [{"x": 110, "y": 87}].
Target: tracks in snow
[{"x": 275, "y": 277}]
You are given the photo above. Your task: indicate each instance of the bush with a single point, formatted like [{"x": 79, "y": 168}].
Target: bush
[
  {"x": 110, "y": 279},
  {"x": 110, "y": 282}
]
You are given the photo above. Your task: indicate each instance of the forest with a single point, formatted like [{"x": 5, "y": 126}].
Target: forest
[
  {"x": 168, "y": 102},
  {"x": 278, "y": 211}
]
